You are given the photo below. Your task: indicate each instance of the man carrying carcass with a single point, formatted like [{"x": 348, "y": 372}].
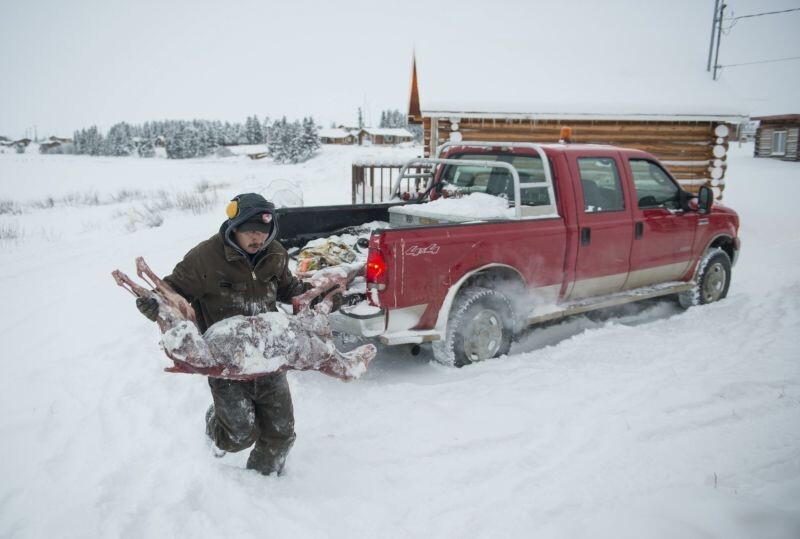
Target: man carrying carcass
[{"x": 241, "y": 270}]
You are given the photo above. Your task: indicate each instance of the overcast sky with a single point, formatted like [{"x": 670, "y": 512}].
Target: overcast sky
[{"x": 66, "y": 65}]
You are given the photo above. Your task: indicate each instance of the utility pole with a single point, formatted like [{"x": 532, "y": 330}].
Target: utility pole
[
  {"x": 713, "y": 29},
  {"x": 719, "y": 35}
]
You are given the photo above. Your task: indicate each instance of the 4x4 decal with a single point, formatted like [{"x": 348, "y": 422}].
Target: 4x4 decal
[{"x": 416, "y": 250}]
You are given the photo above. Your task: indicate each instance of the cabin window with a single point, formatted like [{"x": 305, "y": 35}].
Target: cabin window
[
  {"x": 602, "y": 189},
  {"x": 779, "y": 143},
  {"x": 654, "y": 187}
]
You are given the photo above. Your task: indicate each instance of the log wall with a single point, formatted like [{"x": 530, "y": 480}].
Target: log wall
[
  {"x": 763, "y": 146},
  {"x": 687, "y": 149}
]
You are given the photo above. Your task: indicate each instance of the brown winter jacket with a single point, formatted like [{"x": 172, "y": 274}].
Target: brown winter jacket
[{"x": 221, "y": 281}]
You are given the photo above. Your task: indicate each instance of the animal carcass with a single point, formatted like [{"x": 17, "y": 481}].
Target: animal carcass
[{"x": 246, "y": 347}]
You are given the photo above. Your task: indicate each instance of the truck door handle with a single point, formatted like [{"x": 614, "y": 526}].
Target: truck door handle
[
  {"x": 586, "y": 236},
  {"x": 638, "y": 230}
]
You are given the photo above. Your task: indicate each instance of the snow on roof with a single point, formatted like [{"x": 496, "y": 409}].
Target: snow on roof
[
  {"x": 608, "y": 63},
  {"x": 389, "y": 131},
  {"x": 580, "y": 94},
  {"x": 333, "y": 132}
]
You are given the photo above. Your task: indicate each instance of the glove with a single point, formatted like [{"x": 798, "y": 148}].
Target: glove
[{"x": 148, "y": 307}]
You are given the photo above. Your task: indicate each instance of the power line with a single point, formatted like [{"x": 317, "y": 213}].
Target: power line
[
  {"x": 765, "y": 13},
  {"x": 716, "y": 28},
  {"x": 762, "y": 62}
]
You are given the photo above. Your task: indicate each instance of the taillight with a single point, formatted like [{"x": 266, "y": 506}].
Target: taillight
[{"x": 376, "y": 266}]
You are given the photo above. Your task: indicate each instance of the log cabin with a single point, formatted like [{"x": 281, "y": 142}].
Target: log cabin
[
  {"x": 689, "y": 133},
  {"x": 381, "y": 136},
  {"x": 778, "y": 137},
  {"x": 335, "y": 135}
]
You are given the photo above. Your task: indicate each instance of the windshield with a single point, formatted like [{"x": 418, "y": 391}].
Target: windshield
[{"x": 464, "y": 179}]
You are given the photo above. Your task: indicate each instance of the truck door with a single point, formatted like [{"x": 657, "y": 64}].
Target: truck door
[
  {"x": 605, "y": 230},
  {"x": 663, "y": 231}
]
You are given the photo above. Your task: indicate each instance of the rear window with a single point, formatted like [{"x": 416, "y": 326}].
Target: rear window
[
  {"x": 600, "y": 184},
  {"x": 497, "y": 181}
]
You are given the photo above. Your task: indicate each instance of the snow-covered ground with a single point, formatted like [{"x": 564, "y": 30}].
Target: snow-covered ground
[{"x": 646, "y": 423}]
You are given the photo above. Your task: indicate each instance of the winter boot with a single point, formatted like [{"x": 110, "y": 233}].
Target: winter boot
[{"x": 211, "y": 421}]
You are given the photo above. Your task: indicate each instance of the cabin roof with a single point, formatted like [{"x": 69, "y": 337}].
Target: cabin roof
[
  {"x": 388, "y": 131},
  {"x": 333, "y": 132}
]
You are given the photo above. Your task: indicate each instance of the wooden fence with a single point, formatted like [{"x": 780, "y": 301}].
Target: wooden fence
[{"x": 373, "y": 182}]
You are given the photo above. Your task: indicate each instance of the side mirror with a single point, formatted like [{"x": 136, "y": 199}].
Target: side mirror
[
  {"x": 705, "y": 200},
  {"x": 688, "y": 201}
]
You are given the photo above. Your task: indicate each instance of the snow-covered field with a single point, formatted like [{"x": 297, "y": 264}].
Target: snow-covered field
[{"x": 648, "y": 423}]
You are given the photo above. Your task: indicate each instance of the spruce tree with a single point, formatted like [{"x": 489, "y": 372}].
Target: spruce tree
[
  {"x": 276, "y": 140},
  {"x": 248, "y": 130},
  {"x": 119, "y": 140},
  {"x": 265, "y": 130},
  {"x": 94, "y": 141},
  {"x": 309, "y": 138},
  {"x": 292, "y": 142},
  {"x": 77, "y": 140},
  {"x": 256, "y": 136}
]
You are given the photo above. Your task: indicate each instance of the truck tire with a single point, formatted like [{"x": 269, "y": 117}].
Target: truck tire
[
  {"x": 480, "y": 326},
  {"x": 713, "y": 280}
]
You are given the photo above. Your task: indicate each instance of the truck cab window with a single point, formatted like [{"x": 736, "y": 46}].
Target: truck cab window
[
  {"x": 654, "y": 187},
  {"x": 602, "y": 189}
]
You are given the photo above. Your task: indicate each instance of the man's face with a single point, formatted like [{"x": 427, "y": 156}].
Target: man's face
[{"x": 250, "y": 240}]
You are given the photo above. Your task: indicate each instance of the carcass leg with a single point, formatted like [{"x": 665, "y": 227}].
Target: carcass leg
[
  {"x": 349, "y": 365},
  {"x": 130, "y": 285},
  {"x": 166, "y": 291}
]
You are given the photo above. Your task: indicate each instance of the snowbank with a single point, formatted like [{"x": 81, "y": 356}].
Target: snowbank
[{"x": 650, "y": 422}]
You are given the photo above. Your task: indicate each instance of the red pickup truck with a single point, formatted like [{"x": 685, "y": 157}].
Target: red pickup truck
[{"x": 509, "y": 235}]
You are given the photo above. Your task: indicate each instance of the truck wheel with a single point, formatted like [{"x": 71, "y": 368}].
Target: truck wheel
[
  {"x": 480, "y": 327},
  {"x": 713, "y": 280}
]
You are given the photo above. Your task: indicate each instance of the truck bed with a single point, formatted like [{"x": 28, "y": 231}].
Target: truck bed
[{"x": 300, "y": 225}]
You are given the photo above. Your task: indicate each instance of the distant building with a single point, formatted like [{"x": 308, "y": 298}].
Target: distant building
[
  {"x": 338, "y": 135},
  {"x": 778, "y": 137},
  {"x": 56, "y": 145},
  {"x": 18, "y": 145},
  {"x": 49, "y": 147},
  {"x": 60, "y": 140},
  {"x": 381, "y": 136}
]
